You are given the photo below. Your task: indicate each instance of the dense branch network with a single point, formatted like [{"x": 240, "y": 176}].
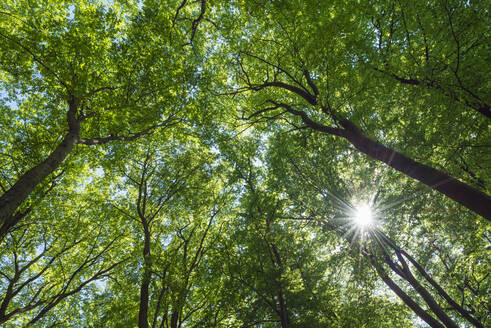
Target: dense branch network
[{"x": 464, "y": 194}]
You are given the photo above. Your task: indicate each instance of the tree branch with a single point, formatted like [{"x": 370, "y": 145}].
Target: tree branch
[{"x": 100, "y": 141}]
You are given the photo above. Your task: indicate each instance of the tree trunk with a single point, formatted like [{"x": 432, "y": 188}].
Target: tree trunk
[
  {"x": 285, "y": 322},
  {"x": 283, "y": 310},
  {"x": 443, "y": 293},
  {"x": 467, "y": 196},
  {"x": 174, "y": 319},
  {"x": 432, "y": 322},
  {"x": 18, "y": 193},
  {"x": 412, "y": 304},
  {"x": 428, "y": 278},
  {"x": 406, "y": 274},
  {"x": 144, "y": 294}
]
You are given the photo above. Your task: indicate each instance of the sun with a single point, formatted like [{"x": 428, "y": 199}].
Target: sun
[{"x": 363, "y": 216}]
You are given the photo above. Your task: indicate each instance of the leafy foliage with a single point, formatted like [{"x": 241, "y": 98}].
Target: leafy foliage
[{"x": 199, "y": 164}]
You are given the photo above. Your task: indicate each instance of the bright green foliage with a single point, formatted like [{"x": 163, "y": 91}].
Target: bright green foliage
[{"x": 197, "y": 194}]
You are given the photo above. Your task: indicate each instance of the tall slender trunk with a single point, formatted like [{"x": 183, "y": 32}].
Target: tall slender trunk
[
  {"x": 283, "y": 313},
  {"x": 435, "y": 285},
  {"x": 174, "y": 319},
  {"x": 406, "y": 274},
  {"x": 432, "y": 322},
  {"x": 442, "y": 292},
  {"x": 462, "y": 193},
  {"x": 18, "y": 193},
  {"x": 283, "y": 310},
  {"x": 144, "y": 294},
  {"x": 159, "y": 302}
]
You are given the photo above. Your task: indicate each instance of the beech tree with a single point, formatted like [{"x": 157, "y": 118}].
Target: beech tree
[
  {"x": 176, "y": 208},
  {"x": 244, "y": 164},
  {"x": 90, "y": 68},
  {"x": 325, "y": 200},
  {"x": 46, "y": 264},
  {"x": 320, "y": 74}
]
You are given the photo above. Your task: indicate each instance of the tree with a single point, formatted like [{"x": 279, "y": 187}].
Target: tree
[
  {"x": 45, "y": 265},
  {"x": 90, "y": 68},
  {"x": 328, "y": 84},
  {"x": 325, "y": 199},
  {"x": 236, "y": 164},
  {"x": 283, "y": 271},
  {"x": 176, "y": 212}
]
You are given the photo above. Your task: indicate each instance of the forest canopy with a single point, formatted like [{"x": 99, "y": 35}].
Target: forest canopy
[{"x": 245, "y": 163}]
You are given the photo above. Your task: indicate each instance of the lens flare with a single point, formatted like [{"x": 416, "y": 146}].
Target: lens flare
[{"x": 363, "y": 216}]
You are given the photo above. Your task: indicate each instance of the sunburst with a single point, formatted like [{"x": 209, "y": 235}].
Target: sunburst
[{"x": 363, "y": 216}]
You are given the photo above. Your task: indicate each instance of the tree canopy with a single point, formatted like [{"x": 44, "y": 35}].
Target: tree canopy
[{"x": 245, "y": 163}]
